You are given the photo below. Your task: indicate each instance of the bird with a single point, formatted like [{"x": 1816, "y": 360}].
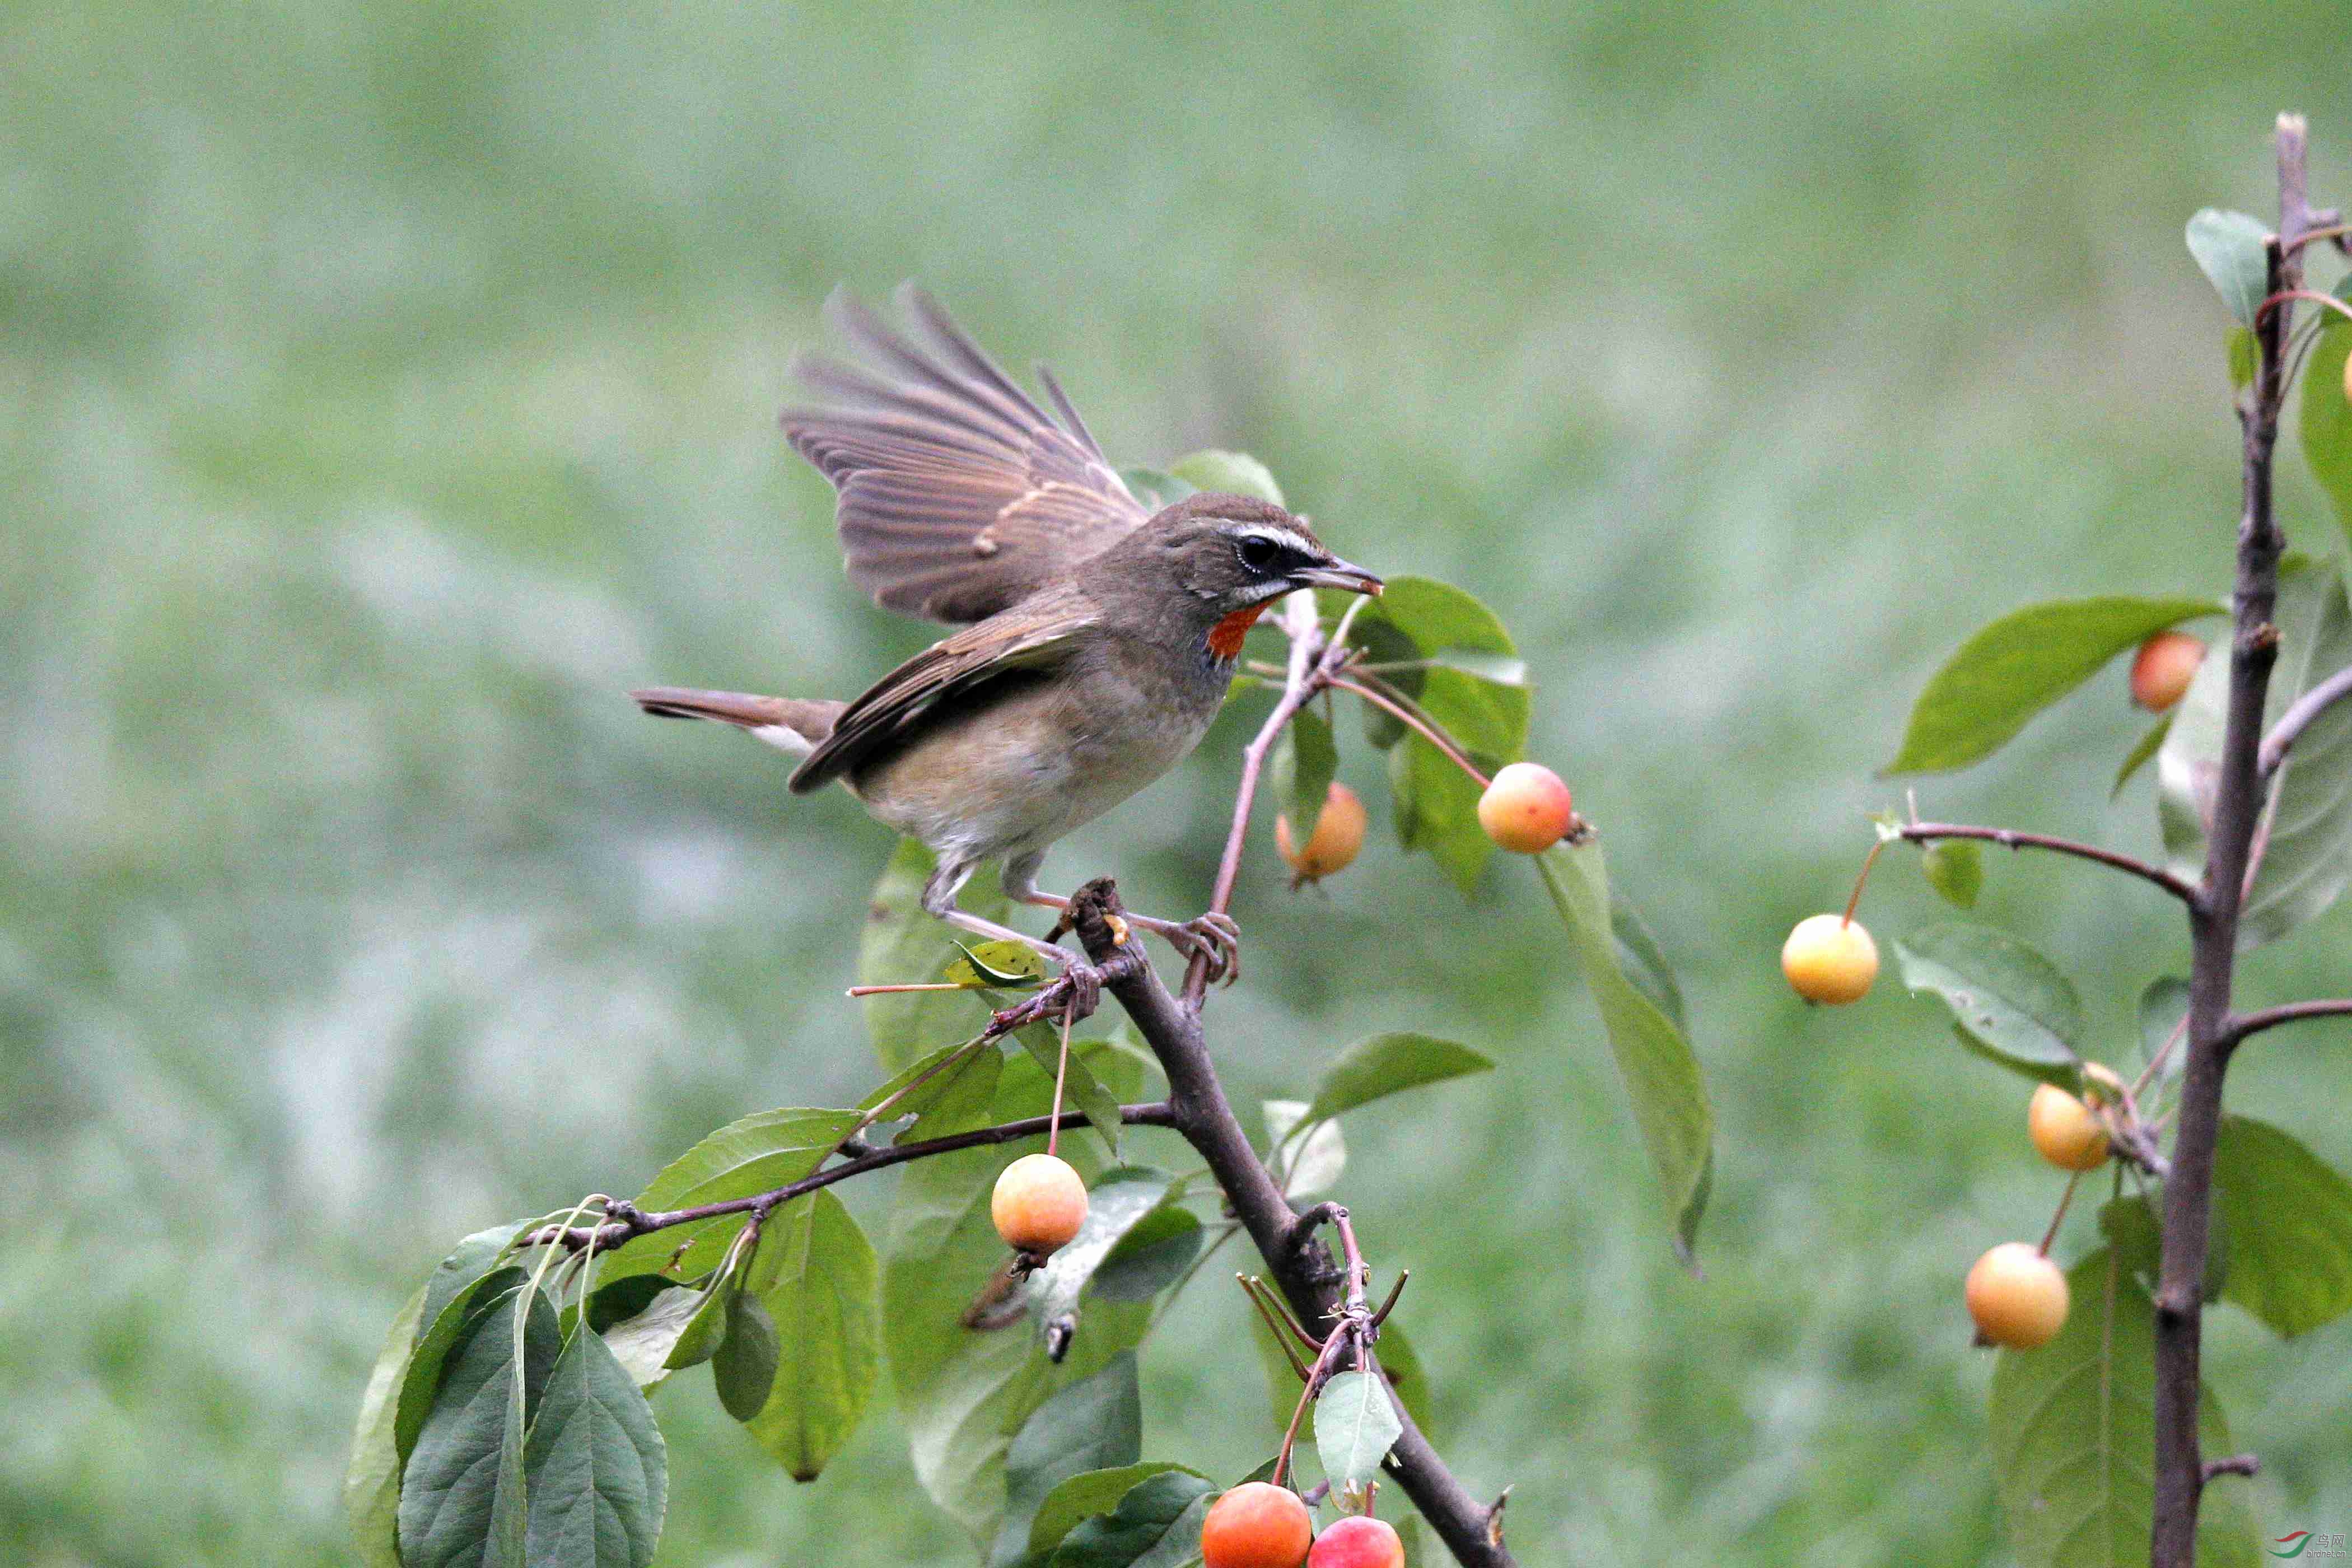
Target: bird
[{"x": 1097, "y": 638}]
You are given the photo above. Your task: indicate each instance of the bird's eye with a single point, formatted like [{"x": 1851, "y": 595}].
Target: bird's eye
[{"x": 1258, "y": 553}]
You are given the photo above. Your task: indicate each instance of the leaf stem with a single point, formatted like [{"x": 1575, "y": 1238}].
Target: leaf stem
[{"x": 1381, "y": 695}]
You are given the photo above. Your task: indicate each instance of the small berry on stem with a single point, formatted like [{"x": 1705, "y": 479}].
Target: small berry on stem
[
  {"x": 2017, "y": 1296},
  {"x": 1039, "y": 1203},
  {"x": 1830, "y": 959},
  {"x": 1527, "y": 809},
  {"x": 1256, "y": 1525},
  {"x": 2163, "y": 668},
  {"x": 1338, "y": 835},
  {"x": 2066, "y": 1131},
  {"x": 1359, "y": 1540}
]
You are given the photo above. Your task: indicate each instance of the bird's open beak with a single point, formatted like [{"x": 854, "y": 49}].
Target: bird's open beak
[{"x": 1340, "y": 575}]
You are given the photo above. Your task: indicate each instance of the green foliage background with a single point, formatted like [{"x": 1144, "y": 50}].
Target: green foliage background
[{"x": 384, "y": 389}]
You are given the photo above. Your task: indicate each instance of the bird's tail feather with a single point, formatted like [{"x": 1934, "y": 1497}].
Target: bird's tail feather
[{"x": 797, "y": 725}]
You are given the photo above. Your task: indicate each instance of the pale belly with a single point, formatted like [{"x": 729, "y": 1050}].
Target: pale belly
[{"x": 1011, "y": 778}]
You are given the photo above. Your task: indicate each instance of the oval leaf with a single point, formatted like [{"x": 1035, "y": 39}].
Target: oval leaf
[
  {"x": 596, "y": 1469},
  {"x": 2326, "y": 417},
  {"x": 744, "y": 1367},
  {"x": 462, "y": 1501},
  {"x": 1151, "y": 1256},
  {"x": 372, "y": 1477},
  {"x": 1094, "y": 1424},
  {"x": 1955, "y": 870},
  {"x": 1389, "y": 1064},
  {"x": 2232, "y": 250},
  {"x": 2007, "y": 1002},
  {"x": 1305, "y": 761},
  {"x": 643, "y": 1344},
  {"x": 2288, "y": 1216},
  {"x": 1654, "y": 1061},
  {"x": 1307, "y": 1164},
  {"x": 1157, "y": 1524},
  {"x": 1116, "y": 1205},
  {"x": 1354, "y": 1426},
  {"x": 1228, "y": 473},
  {"x": 2020, "y": 664},
  {"x": 816, "y": 1275},
  {"x": 1096, "y": 1494}
]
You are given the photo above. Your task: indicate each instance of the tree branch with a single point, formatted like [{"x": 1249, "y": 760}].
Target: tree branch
[
  {"x": 1300, "y": 1264},
  {"x": 2244, "y": 1025},
  {"x": 2299, "y": 717},
  {"x": 2180, "y": 1472},
  {"x": 1926, "y": 832},
  {"x": 628, "y": 1222}
]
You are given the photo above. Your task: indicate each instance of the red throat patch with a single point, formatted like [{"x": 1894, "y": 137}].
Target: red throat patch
[{"x": 1226, "y": 637}]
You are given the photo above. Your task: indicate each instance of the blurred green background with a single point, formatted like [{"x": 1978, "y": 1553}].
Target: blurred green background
[{"x": 383, "y": 390}]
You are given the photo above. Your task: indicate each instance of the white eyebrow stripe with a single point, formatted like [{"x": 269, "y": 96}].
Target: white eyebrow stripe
[{"x": 1273, "y": 533}]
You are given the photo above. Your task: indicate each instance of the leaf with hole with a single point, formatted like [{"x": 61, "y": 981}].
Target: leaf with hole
[
  {"x": 2020, "y": 664},
  {"x": 2009, "y": 1003},
  {"x": 1655, "y": 1061},
  {"x": 1354, "y": 1425},
  {"x": 2072, "y": 1436},
  {"x": 2305, "y": 831}
]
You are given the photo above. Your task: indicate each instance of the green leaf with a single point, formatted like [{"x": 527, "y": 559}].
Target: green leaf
[
  {"x": 372, "y": 1477},
  {"x": 443, "y": 1329},
  {"x": 609, "y": 1306},
  {"x": 1305, "y": 1165},
  {"x": 902, "y": 944},
  {"x": 1656, "y": 1062},
  {"x": 1643, "y": 960},
  {"x": 1389, "y": 1064},
  {"x": 1354, "y": 1426},
  {"x": 941, "y": 1098},
  {"x": 2008, "y": 1003},
  {"x": 2073, "y": 1437},
  {"x": 2020, "y": 664},
  {"x": 816, "y": 1275},
  {"x": 1092, "y": 1426},
  {"x": 2136, "y": 1232},
  {"x": 1116, "y": 1205},
  {"x": 597, "y": 1470},
  {"x": 1956, "y": 870},
  {"x": 2142, "y": 749},
  {"x": 1082, "y": 1089},
  {"x": 756, "y": 1154},
  {"x": 1228, "y": 473},
  {"x": 1383, "y": 644},
  {"x": 462, "y": 1498},
  {"x": 2288, "y": 1216},
  {"x": 1436, "y": 804},
  {"x": 1305, "y": 761},
  {"x": 2307, "y": 824},
  {"x": 1153, "y": 1255},
  {"x": 2244, "y": 356},
  {"x": 1006, "y": 965},
  {"x": 2162, "y": 1007},
  {"x": 706, "y": 1330},
  {"x": 1154, "y": 488},
  {"x": 643, "y": 1344},
  {"x": 962, "y": 1392},
  {"x": 1157, "y": 1523},
  {"x": 2232, "y": 250},
  {"x": 2326, "y": 417},
  {"x": 744, "y": 1367}
]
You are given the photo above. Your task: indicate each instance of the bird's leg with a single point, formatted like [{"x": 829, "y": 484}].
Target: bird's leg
[
  {"x": 1215, "y": 936},
  {"x": 939, "y": 899}
]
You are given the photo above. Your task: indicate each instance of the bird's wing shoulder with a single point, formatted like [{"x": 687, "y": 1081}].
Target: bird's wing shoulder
[
  {"x": 1035, "y": 635},
  {"x": 959, "y": 496}
]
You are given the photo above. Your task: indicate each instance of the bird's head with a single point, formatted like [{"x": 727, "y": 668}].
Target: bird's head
[{"x": 1234, "y": 555}]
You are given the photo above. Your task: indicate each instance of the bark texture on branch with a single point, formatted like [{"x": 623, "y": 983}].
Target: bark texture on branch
[{"x": 1310, "y": 1280}]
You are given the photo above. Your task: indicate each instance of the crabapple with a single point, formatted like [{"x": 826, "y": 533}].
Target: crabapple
[
  {"x": 2017, "y": 1296},
  {"x": 2066, "y": 1132},
  {"x": 1256, "y": 1525},
  {"x": 2161, "y": 670},
  {"x": 1038, "y": 1205},
  {"x": 1359, "y": 1540},
  {"x": 1526, "y": 809},
  {"x": 1338, "y": 835},
  {"x": 1829, "y": 958}
]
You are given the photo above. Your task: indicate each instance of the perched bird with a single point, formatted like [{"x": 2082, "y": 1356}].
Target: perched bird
[{"x": 1101, "y": 638}]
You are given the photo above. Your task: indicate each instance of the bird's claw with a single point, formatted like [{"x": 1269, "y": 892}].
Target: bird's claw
[
  {"x": 1086, "y": 987},
  {"x": 1216, "y": 937}
]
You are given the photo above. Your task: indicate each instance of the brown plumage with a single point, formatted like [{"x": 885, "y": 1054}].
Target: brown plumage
[{"x": 1103, "y": 638}]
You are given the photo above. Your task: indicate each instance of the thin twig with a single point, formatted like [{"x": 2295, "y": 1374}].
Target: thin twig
[
  {"x": 1381, "y": 695},
  {"x": 2299, "y": 717},
  {"x": 2010, "y": 838},
  {"x": 2244, "y": 1024}
]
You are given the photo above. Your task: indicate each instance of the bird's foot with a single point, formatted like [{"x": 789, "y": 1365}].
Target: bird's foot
[{"x": 1212, "y": 936}]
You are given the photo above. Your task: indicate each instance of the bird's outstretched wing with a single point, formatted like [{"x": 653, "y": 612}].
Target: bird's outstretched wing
[
  {"x": 1033, "y": 636},
  {"x": 959, "y": 496}
]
